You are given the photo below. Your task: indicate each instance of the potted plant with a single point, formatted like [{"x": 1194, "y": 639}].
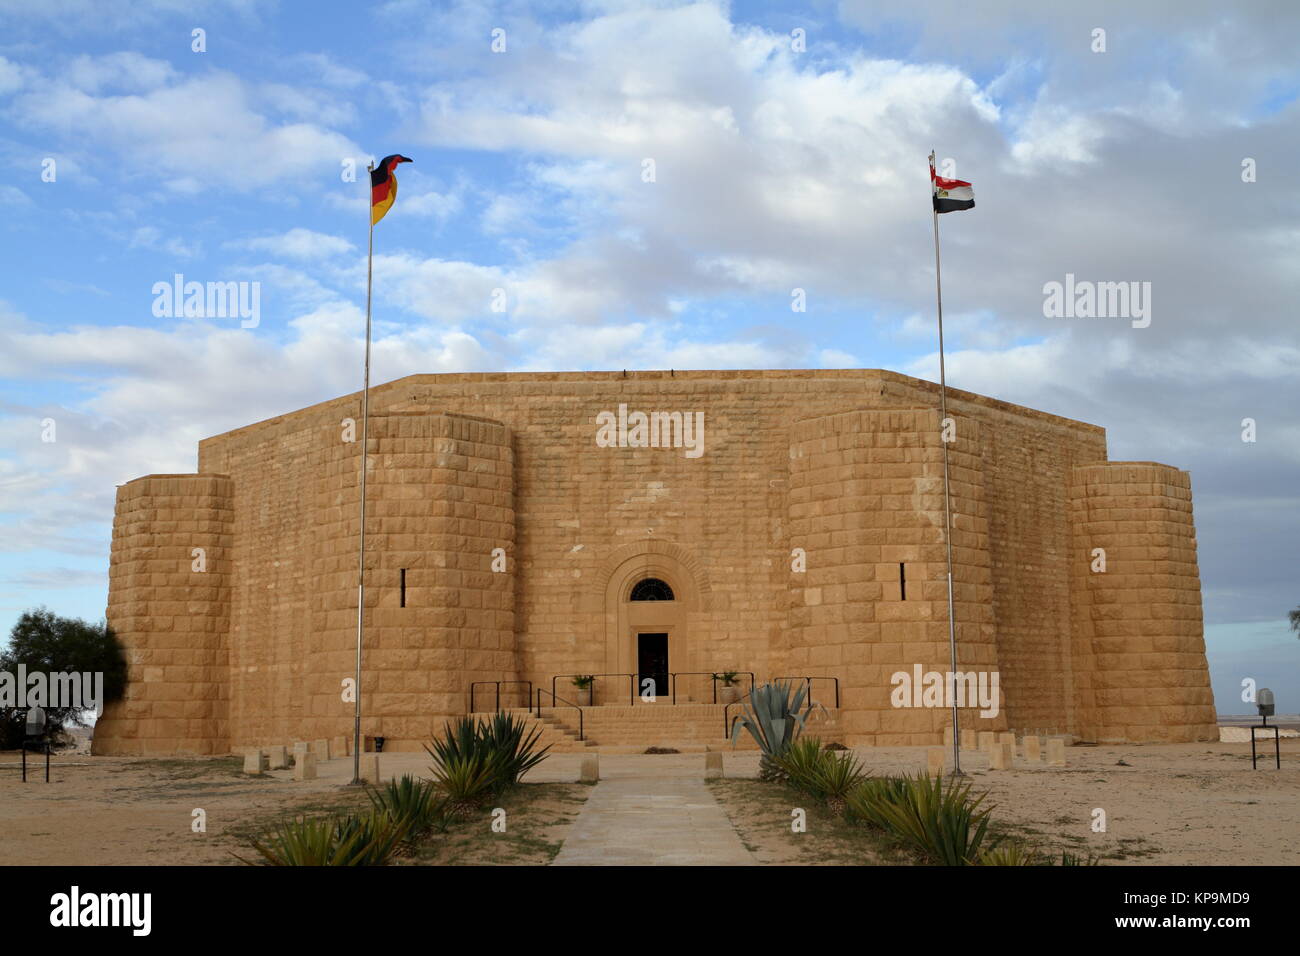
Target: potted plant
[
  {"x": 729, "y": 692},
  {"x": 583, "y": 683}
]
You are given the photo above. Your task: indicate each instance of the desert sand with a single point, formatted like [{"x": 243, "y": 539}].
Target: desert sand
[{"x": 1170, "y": 804}]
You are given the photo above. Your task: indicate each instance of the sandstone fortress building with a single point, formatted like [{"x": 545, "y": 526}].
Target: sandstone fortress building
[{"x": 505, "y": 542}]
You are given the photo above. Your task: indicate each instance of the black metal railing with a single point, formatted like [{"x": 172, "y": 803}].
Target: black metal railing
[
  {"x": 631, "y": 683},
  {"x": 497, "y": 684},
  {"x": 672, "y": 680},
  {"x": 809, "y": 682},
  {"x": 555, "y": 704},
  {"x": 726, "y": 713}
]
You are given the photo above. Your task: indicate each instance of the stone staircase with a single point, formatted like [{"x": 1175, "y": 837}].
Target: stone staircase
[{"x": 685, "y": 727}]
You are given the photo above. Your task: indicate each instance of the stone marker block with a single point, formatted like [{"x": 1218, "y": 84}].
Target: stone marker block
[
  {"x": 320, "y": 749},
  {"x": 301, "y": 747},
  {"x": 713, "y": 765},
  {"x": 254, "y": 762},
  {"x": 590, "y": 771},
  {"x": 304, "y": 767},
  {"x": 968, "y": 740},
  {"x": 1033, "y": 750},
  {"x": 934, "y": 761},
  {"x": 341, "y": 747},
  {"x": 370, "y": 768},
  {"x": 986, "y": 740},
  {"x": 1000, "y": 757},
  {"x": 1055, "y": 752},
  {"x": 277, "y": 758},
  {"x": 1008, "y": 739},
  {"x": 947, "y": 737}
]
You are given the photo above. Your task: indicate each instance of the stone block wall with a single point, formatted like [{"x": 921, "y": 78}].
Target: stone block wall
[
  {"x": 1139, "y": 669},
  {"x": 169, "y": 588},
  {"x": 845, "y": 463},
  {"x": 866, "y": 496}
]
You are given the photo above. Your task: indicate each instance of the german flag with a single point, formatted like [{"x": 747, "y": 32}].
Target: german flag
[{"x": 383, "y": 186}]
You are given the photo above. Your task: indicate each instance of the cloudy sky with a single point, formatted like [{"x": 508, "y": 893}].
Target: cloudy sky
[{"x": 789, "y": 146}]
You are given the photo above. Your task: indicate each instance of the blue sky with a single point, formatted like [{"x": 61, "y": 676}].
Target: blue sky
[{"x": 775, "y": 168}]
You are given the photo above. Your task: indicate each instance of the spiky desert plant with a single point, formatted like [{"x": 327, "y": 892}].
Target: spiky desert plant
[
  {"x": 417, "y": 803},
  {"x": 862, "y": 805},
  {"x": 380, "y": 835},
  {"x": 512, "y": 753},
  {"x": 367, "y": 840},
  {"x": 940, "y": 820},
  {"x": 800, "y": 764},
  {"x": 1011, "y": 853},
  {"x": 462, "y": 737},
  {"x": 466, "y": 782},
  {"x": 774, "y": 714},
  {"x": 836, "y": 776}
]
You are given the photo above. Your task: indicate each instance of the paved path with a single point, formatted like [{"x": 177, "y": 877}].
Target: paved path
[{"x": 652, "y": 821}]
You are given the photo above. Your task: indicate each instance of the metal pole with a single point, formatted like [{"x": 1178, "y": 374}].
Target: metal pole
[
  {"x": 947, "y": 506},
  {"x": 361, "y": 560}
]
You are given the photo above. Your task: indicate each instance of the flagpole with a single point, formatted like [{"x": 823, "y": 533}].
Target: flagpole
[
  {"x": 947, "y": 504},
  {"x": 361, "y": 561}
]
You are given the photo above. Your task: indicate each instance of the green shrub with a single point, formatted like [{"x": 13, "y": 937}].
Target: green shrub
[
  {"x": 359, "y": 840},
  {"x": 940, "y": 820},
  {"x": 511, "y": 752},
  {"x": 1011, "y": 853},
  {"x": 836, "y": 776},
  {"x": 499, "y": 745},
  {"x": 466, "y": 782},
  {"x": 417, "y": 803},
  {"x": 866, "y": 799},
  {"x": 800, "y": 763}
]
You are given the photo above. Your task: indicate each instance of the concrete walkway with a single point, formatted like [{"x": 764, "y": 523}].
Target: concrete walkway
[{"x": 652, "y": 821}]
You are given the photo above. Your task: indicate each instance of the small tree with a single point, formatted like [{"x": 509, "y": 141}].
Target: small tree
[
  {"x": 1295, "y": 620},
  {"x": 42, "y": 641}
]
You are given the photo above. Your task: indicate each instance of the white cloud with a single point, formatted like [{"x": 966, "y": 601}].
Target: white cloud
[{"x": 299, "y": 243}]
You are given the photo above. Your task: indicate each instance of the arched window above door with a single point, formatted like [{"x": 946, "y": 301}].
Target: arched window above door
[{"x": 651, "y": 589}]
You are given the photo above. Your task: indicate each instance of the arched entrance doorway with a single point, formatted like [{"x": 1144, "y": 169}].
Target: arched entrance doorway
[{"x": 648, "y": 601}]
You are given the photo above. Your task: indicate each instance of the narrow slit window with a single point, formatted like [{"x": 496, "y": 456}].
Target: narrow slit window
[
  {"x": 403, "y": 587},
  {"x": 902, "y": 582}
]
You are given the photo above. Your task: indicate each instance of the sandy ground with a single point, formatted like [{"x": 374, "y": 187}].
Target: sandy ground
[{"x": 1182, "y": 804}]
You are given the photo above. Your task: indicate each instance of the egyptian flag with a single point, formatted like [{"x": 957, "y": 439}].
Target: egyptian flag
[
  {"x": 950, "y": 195},
  {"x": 383, "y": 186}
]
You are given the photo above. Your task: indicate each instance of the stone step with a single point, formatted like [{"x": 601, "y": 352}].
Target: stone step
[{"x": 688, "y": 728}]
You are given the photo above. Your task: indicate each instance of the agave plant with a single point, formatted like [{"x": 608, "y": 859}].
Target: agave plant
[
  {"x": 500, "y": 745},
  {"x": 942, "y": 821},
  {"x": 365, "y": 840},
  {"x": 419, "y": 804},
  {"x": 774, "y": 714},
  {"x": 466, "y": 782},
  {"x": 512, "y": 753},
  {"x": 836, "y": 776},
  {"x": 864, "y": 802},
  {"x": 1011, "y": 853},
  {"x": 800, "y": 764}
]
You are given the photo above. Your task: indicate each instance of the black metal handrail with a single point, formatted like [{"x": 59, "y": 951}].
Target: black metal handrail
[
  {"x": 726, "y": 711},
  {"x": 672, "y": 681},
  {"x": 555, "y": 702},
  {"x": 809, "y": 681},
  {"x": 497, "y": 684},
  {"x": 631, "y": 684}
]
